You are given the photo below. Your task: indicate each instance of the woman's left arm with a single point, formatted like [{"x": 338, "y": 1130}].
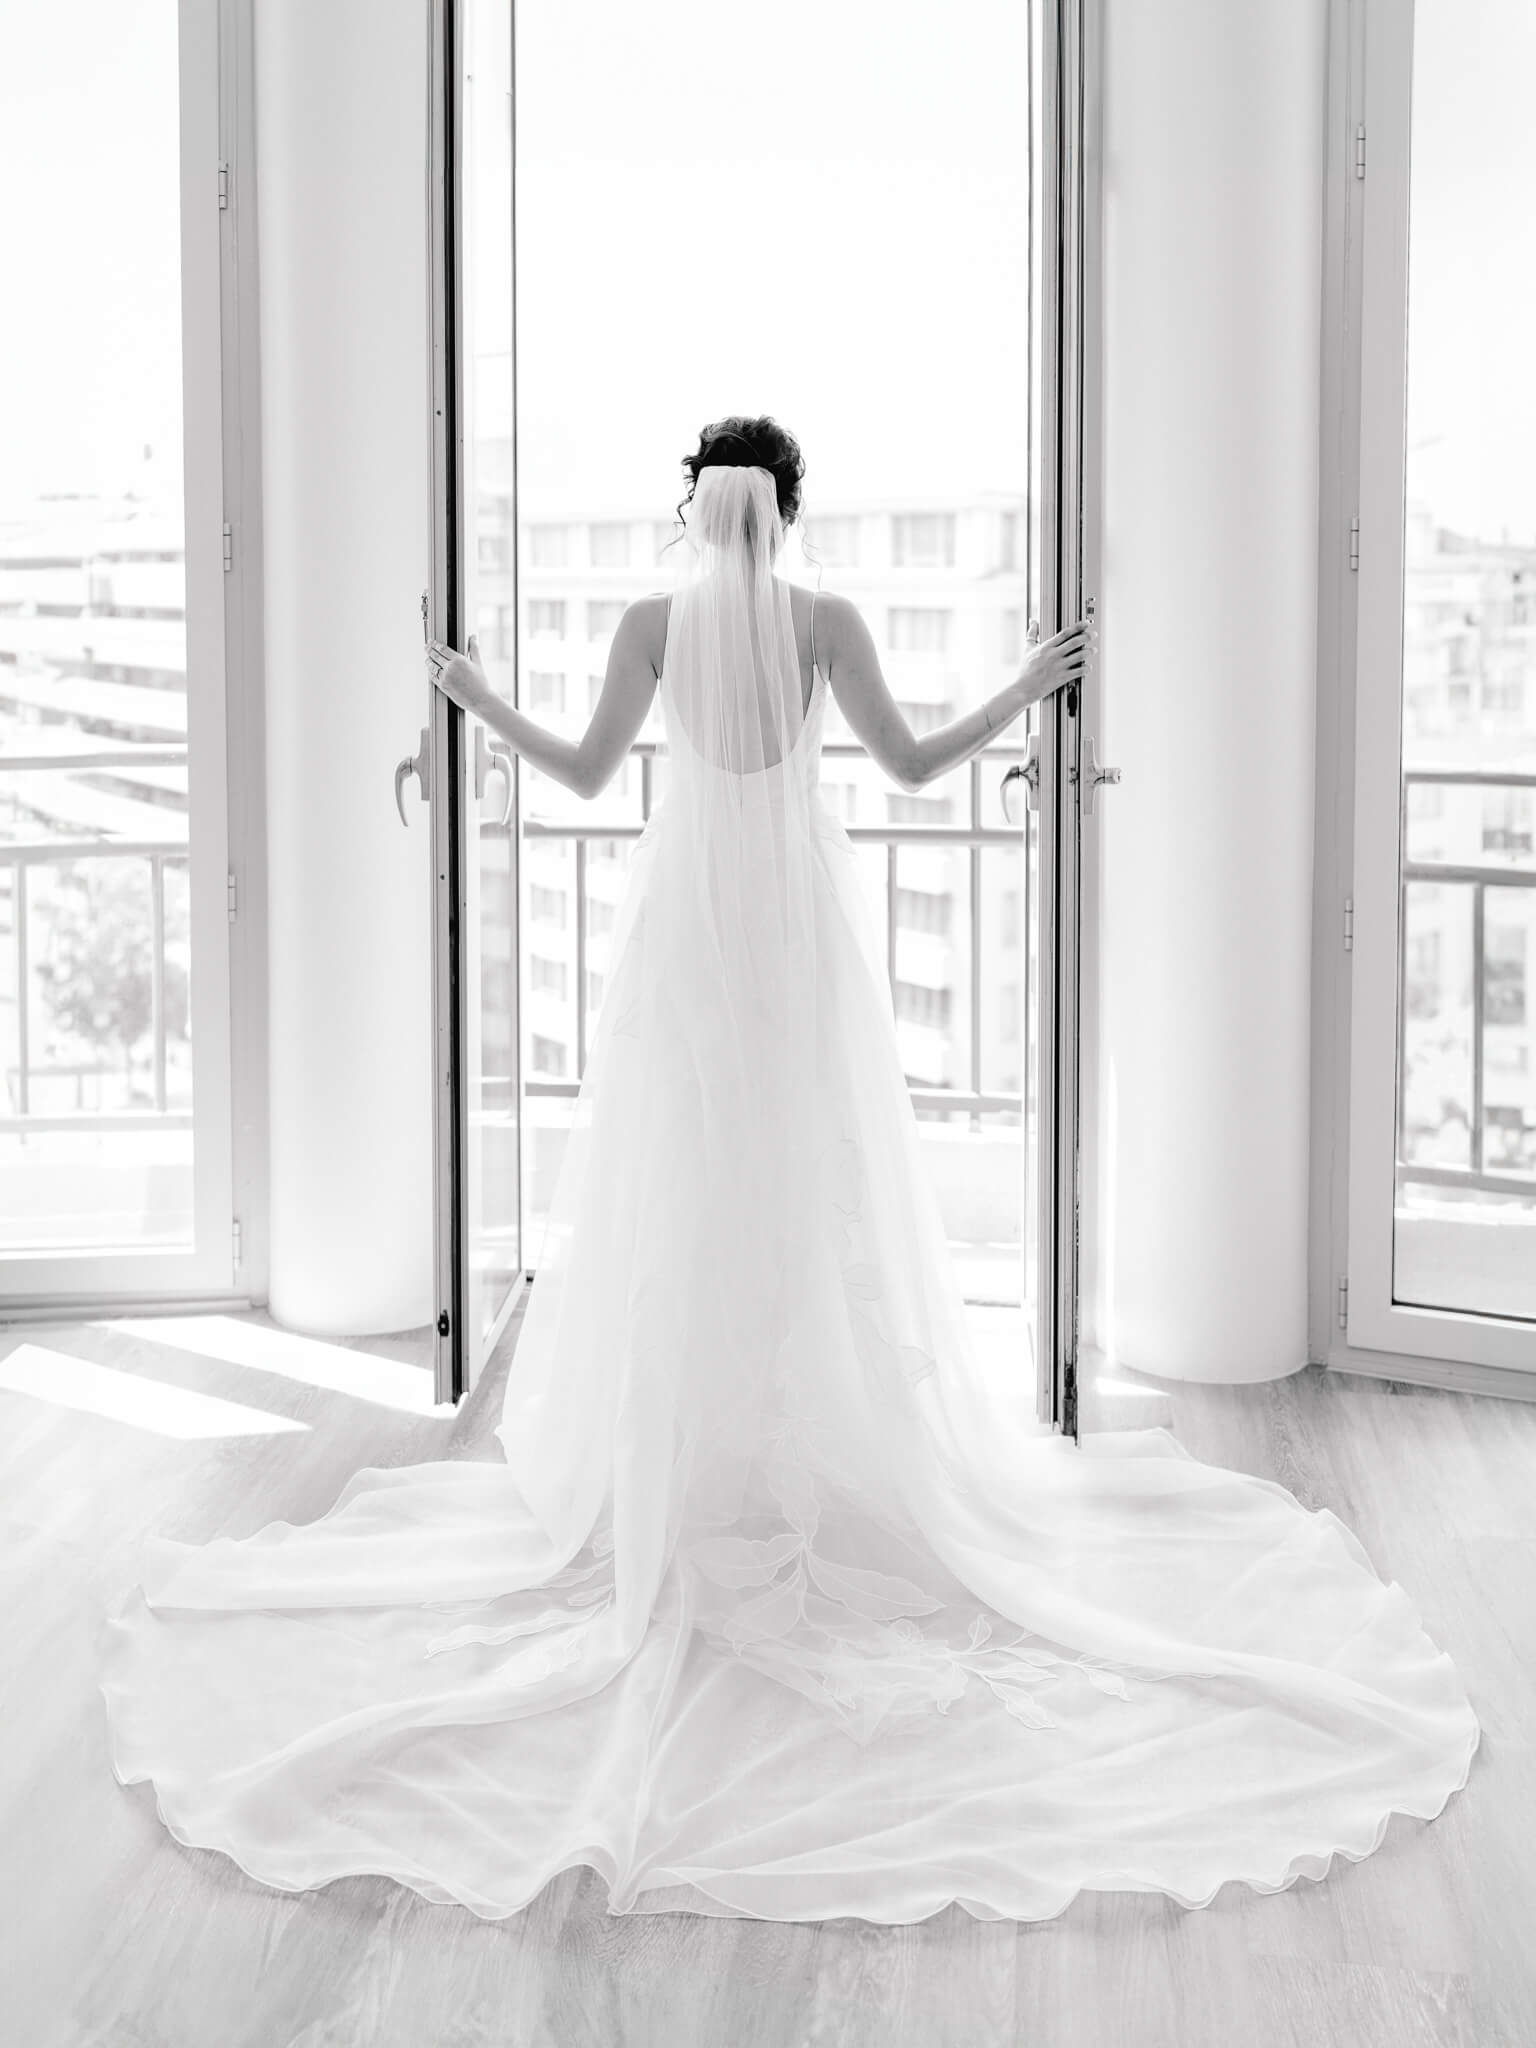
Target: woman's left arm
[{"x": 585, "y": 766}]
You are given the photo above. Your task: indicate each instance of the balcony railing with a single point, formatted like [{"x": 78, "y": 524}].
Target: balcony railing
[
  {"x": 975, "y": 836},
  {"x": 18, "y": 856},
  {"x": 1478, "y": 877}
]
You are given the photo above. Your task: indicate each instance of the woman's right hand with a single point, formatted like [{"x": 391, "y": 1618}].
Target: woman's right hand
[{"x": 1064, "y": 658}]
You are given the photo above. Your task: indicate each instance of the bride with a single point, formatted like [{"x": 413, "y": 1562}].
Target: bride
[{"x": 777, "y": 1602}]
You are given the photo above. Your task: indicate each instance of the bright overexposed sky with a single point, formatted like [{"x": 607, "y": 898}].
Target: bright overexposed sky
[
  {"x": 1472, "y": 266},
  {"x": 817, "y": 210},
  {"x": 90, "y": 267}
]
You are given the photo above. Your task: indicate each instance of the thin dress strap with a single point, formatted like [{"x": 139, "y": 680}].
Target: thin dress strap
[{"x": 813, "y": 639}]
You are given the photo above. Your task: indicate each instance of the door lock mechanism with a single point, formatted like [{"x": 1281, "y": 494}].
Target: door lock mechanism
[
  {"x": 1028, "y": 772},
  {"x": 1093, "y": 775},
  {"x": 419, "y": 765},
  {"x": 493, "y": 757}
]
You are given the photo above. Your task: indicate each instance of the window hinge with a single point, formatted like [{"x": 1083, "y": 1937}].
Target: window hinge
[
  {"x": 1349, "y": 924},
  {"x": 1354, "y": 542},
  {"x": 234, "y": 1237},
  {"x": 1360, "y": 150},
  {"x": 224, "y": 185},
  {"x": 1343, "y": 1302},
  {"x": 230, "y": 890},
  {"x": 229, "y": 546}
]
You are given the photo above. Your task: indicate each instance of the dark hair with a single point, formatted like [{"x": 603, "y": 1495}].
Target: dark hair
[{"x": 739, "y": 442}]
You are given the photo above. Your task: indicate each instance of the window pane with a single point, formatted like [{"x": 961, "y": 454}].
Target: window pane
[
  {"x": 95, "y": 950},
  {"x": 1465, "y": 1232},
  {"x": 916, "y": 127}
]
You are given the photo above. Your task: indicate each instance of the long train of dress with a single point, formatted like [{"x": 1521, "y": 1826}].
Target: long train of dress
[{"x": 861, "y": 1639}]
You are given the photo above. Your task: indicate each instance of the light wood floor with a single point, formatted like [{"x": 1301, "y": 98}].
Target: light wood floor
[{"x": 114, "y": 1936}]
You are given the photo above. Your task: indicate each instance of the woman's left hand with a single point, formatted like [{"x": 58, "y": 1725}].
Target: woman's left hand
[{"x": 459, "y": 676}]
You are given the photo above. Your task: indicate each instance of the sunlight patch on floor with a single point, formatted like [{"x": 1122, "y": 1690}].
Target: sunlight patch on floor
[
  {"x": 129, "y": 1397},
  {"x": 312, "y": 1361}
]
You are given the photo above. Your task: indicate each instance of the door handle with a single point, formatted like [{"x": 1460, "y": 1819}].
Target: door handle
[
  {"x": 1093, "y": 775},
  {"x": 419, "y": 765},
  {"x": 493, "y": 757},
  {"x": 1028, "y": 772}
]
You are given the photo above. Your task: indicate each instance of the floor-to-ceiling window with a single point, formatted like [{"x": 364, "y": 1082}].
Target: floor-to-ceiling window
[
  {"x": 1441, "y": 921},
  {"x": 115, "y": 901},
  {"x": 830, "y": 216}
]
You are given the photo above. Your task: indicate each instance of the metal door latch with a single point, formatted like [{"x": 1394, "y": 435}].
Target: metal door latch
[
  {"x": 493, "y": 757},
  {"x": 1094, "y": 775},
  {"x": 417, "y": 764},
  {"x": 1028, "y": 772}
]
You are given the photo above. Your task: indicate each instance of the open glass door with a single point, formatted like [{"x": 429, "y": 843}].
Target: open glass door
[
  {"x": 1440, "y": 921},
  {"x": 905, "y": 193},
  {"x": 472, "y": 779},
  {"x": 116, "y": 891}
]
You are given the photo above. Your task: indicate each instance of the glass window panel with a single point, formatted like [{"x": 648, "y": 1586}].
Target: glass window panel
[
  {"x": 604, "y": 146},
  {"x": 1464, "y": 1240},
  {"x": 93, "y": 723}
]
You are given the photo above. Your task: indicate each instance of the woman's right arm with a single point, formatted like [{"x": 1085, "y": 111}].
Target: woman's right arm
[{"x": 875, "y": 718}]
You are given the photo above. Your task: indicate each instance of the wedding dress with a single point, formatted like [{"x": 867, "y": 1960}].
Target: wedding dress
[{"x": 776, "y": 1603}]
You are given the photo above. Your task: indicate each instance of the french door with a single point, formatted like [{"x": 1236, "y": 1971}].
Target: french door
[
  {"x": 472, "y": 781},
  {"x": 577, "y": 159},
  {"x": 121, "y": 579},
  {"x": 1440, "y": 912}
]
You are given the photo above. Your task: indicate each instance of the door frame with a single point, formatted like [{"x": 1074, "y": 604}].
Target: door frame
[
  {"x": 448, "y": 742},
  {"x": 1070, "y": 543},
  {"x": 227, "y": 1266},
  {"x": 1071, "y": 387},
  {"x": 1354, "y": 1324}
]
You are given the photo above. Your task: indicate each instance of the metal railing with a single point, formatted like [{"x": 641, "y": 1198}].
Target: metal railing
[
  {"x": 1478, "y": 877},
  {"x": 19, "y": 856},
  {"x": 975, "y": 836}
]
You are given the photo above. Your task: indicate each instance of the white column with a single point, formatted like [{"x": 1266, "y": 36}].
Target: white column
[
  {"x": 1213, "y": 213},
  {"x": 340, "y": 106}
]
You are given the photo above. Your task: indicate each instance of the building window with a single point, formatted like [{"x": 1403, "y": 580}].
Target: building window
[
  {"x": 1507, "y": 822},
  {"x": 547, "y": 547},
  {"x": 916, "y": 1003},
  {"x": 609, "y": 542},
  {"x": 835, "y": 541},
  {"x": 599, "y": 917},
  {"x": 546, "y": 618},
  {"x": 916, "y": 810},
  {"x": 1422, "y": 962},
  {"x": 1008, "y": 540},
  {"x": 493, "y": 555},
  {"x": 493, "y": 623},
  {"x": 594, "y": 990},
  {"x": 548, "y": 1056},
  {"x": 918, "y": 910},
  {"x": 546, "y": 974},
  {"x": 921, "y": 717},
  {"x": 923, "y": 540},
  {"x": 603, "y": 616},
  {"x": 1504, "y": 974},
  {"x": 1013, "y": 637},
  {"x": 918, "y": 629},
  {"x": 546, "y": 906},
  {"x": 546, "y": 690}
]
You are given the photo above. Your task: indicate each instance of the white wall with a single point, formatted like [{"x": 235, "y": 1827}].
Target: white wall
[
  {"x": 340, "y": 118},
  {"x": 1212, "y": 244}
]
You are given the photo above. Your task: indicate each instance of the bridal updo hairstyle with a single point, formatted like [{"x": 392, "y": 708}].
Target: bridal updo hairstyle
[{"x": 741, "y": 443}]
